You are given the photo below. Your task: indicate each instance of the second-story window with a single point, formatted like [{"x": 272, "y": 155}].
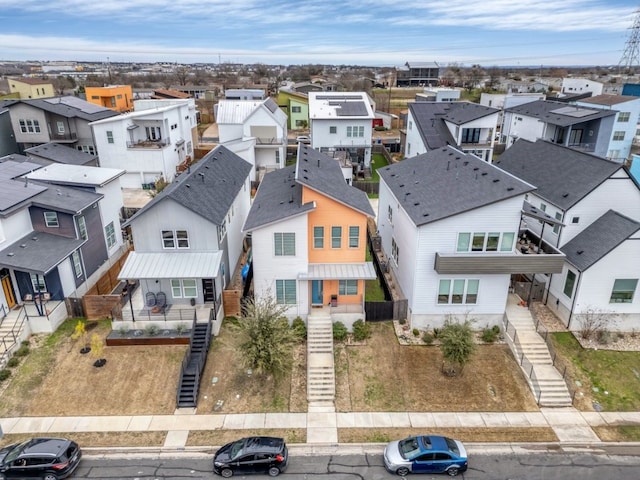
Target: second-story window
[
  {"x": 618, "y": 135},
  {"x": 354, "y": 237},
  {"x": 318, "y": 237},
  {"x": 336, "y": 237},
  {"x": 29, "y": 126},
  {"x": 82, "y": 228},
  {"x": 624, "y": 116},
  {"x": 355, "y": 131},
  {"x": 173, "y": 239},
  {"x": 77, "y": 265},
  {"x": 182, "y": 237},
  {"x": 109, "y": 136},
  {"x": 222, "y": 231},
  {"x": 153, "y": 133},
  {"x": 296, "y": 109},
  {"x": 284, "y": 244},
  {"x": 51, "y": 219},
  {"x": 333, "y": 129}
]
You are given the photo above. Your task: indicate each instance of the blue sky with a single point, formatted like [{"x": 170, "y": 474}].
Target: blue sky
[{"x": 363, "y": 32}]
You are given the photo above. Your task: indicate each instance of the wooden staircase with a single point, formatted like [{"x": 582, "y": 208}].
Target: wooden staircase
[{"x": 193, "y": 364}]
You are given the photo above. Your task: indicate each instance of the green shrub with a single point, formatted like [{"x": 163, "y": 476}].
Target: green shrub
[
  {"x": 123, "y": 331},
  {"x": 361, "y": 330},
  {"x": 436, "y": 332},
  {"x": 402, "y": 321},
  {"x": 428, "y": 338},
  {"x": 416, "y": 332},
  {"x": 152, "y": 330},
  {"x": 299, "y": 329},
  {"x": 13, "y": 362},
  {"x": 4, "y": 374},
  {"x": 23, "y": 351},
  {"x": 339, "y": 331},
  {"x": 496, "y": 328},
  {"x": 25, "y": 343},
  {"x": 181, "y": 328},
  {"x": 489, "y": 335}
]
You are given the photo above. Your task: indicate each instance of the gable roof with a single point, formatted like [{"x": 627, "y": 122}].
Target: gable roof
[
  {"x": 430, "y": 119},
  {"x": 235, "y": 111},
  {"x": 209, "y": 188},
  {"x": 58, "y": 153},
  {"x": 38, "y": 252},
  {"x": 446, "y": 182},
  {"x": 563, "y": 176},
  {"x": 598, "y": 239},
  {"x": 279, "y": 195},
  {"x": 72, "y": 107},
  {"x": 31, "y": 81},
  {"x": 559, "y": 113},
  {"x": 323, "y": 174}
]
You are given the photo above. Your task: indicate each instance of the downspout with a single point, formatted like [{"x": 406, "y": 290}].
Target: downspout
[{"x": 573, "y": 304}]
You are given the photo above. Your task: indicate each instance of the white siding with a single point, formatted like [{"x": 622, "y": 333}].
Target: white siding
[
  {"x": 267, "y": 267},
  {"x": 67, "y": 277},
  {"x": 169, "y": 215},
  {"x": 517, "y": 125},
  {"x": 413, "y": 143},
  {"x": 16, "y": 226},
  {"x": 237, "y": 214},
  {"x": 110, "y": 207}
]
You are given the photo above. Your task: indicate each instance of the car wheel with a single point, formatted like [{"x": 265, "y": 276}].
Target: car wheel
[
  {"x": 226, "y": 472},
  {"x": 49, "y": 476},
  {"x": 403, "y": 471},
  {"x": 274, "y": 471},
  {"x": 453, "y": 471}
]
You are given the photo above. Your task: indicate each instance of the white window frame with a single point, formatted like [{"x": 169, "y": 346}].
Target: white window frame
[
  {"x": 395, "y": 250},
  {"x": 110, "y": 136},
  {"x": 51, "y": 219},
  {"x": 284, "y": 244},
  {"x": 348, "y": 287},
  {"x": 624, "y": 116},
  {"x": 38, "y": 282},
  {"x": 354, "y": 238},
  {"x": 222, "y": 231},
  {"x": 336, "y": 240},
  {"x": 184, "y": 288},
  {"x": 77, "y": 263},
  {"x": 110, "y": 235},
  {"x": 618, "y": 136},
  {"x": 447, "y": 287},
  {"x": 82, "y": 228},
  {"x": 286, "y": 292},
  {"x": 318, "y": 240}
]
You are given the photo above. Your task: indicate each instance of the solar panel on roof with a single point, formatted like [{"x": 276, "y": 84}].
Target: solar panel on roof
[
  {"x": 271, "y": 105},
  {"x": 573, "y": 112},
  {"x": 351, "y": 109}
]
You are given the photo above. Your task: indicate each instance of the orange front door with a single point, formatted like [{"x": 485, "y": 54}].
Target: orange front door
[{"x": 8, "y": 291}]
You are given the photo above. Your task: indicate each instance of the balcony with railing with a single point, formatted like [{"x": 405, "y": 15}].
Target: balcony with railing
[
  {"x": 69, "y": 137},
  {"x": 268, "y": 141},
  {"x": 149, "y": 144}
]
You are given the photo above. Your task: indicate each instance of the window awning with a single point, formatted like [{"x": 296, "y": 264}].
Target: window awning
[
  {"x": 339, "y": 271},
  {"x": 171, "y": 265},
  {"x": 133, "y": 126},
  {"x": 530, "y": 211}
]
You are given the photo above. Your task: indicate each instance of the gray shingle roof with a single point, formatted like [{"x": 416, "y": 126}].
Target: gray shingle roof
[
  {"x": 430, "y": 116},
  {"x": 278, "y": 197},
  {"x": 446, "y": 182},
  {"x": 209, "y": 188},
  {"x": 323, "y": 174},
  {"x": 559, "y": 113},
  {"x": 65, "y": 199},
  {"x": 563, "y": 176},
  {"x": 72, "y": 107},
  {"x": 59, "y": 153},
  {"x": 280, "y": 193},
  {"x": 38, "y": 252},
  {"x": 598, "y": 239}
]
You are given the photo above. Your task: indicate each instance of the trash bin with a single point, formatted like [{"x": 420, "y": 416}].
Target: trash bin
[{"x": 334, "y": 300}]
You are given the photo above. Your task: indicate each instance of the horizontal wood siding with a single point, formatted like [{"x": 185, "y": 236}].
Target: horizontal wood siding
[{"x": 484, "y": 263}]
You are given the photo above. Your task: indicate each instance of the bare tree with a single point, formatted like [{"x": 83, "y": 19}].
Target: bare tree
[
  {"x": 593, "y": 321},
  {"x": 182, "y": 75}
]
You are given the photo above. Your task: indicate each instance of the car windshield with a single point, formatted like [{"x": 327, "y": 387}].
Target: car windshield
[
  {"x": 409, "y": 447},
  {"x": 15, "y": 452},
  {"x": 453, "y": 446},
  {"x": 236, "y": 449}
]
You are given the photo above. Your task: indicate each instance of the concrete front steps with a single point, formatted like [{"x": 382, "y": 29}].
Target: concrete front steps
[
  {"x": 532, "y": 354},
  {"x": 321, "y": 380}
]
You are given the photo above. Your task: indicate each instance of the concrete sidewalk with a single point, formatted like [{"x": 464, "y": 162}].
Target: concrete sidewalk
[{"x": 571, "y": 426}]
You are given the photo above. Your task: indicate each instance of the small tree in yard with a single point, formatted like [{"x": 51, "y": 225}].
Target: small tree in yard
[
  {"x": 80, "y": 333},
  {"x": 593, "y": 321},
  {"x": 457, "y": 345},
  {"x": 266, "y": 337},
  {"x": 97, "y": 347}
]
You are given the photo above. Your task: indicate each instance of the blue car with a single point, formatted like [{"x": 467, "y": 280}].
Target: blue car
[{"x": 426, "y": 454}]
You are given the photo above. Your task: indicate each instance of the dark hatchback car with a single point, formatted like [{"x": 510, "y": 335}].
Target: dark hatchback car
[
  {"x": 42, "y": 458},
  {"x": 251, "y": 455}
]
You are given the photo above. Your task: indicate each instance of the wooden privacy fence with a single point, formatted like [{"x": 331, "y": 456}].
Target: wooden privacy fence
[{"x": 100, "y": 300}]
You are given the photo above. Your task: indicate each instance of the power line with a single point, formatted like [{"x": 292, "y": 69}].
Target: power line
[{"x": 631, "y": 55}]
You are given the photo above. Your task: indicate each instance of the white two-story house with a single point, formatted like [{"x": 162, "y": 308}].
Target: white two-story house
[
  {"x": 153, "y": 142},
  {"x": 449, "y": 224},
  {"x": 188, "y": 241},
  {"x": 433, "y": 125},
  {"x": 342, "y": 127},
  {"x": 256, "y": 130},
  {"x": 596, "y": 207}
]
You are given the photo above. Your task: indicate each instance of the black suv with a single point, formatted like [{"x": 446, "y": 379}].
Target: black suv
[
  {"x": 44, "y": 458},
  {"x": 251, "y": 455}
]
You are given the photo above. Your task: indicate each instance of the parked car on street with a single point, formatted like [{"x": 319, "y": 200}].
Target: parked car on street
[
  {"x": 251, "y": 455},
  {"x": 42, "y": 458},
  {"x": 426, "y": 454}
]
